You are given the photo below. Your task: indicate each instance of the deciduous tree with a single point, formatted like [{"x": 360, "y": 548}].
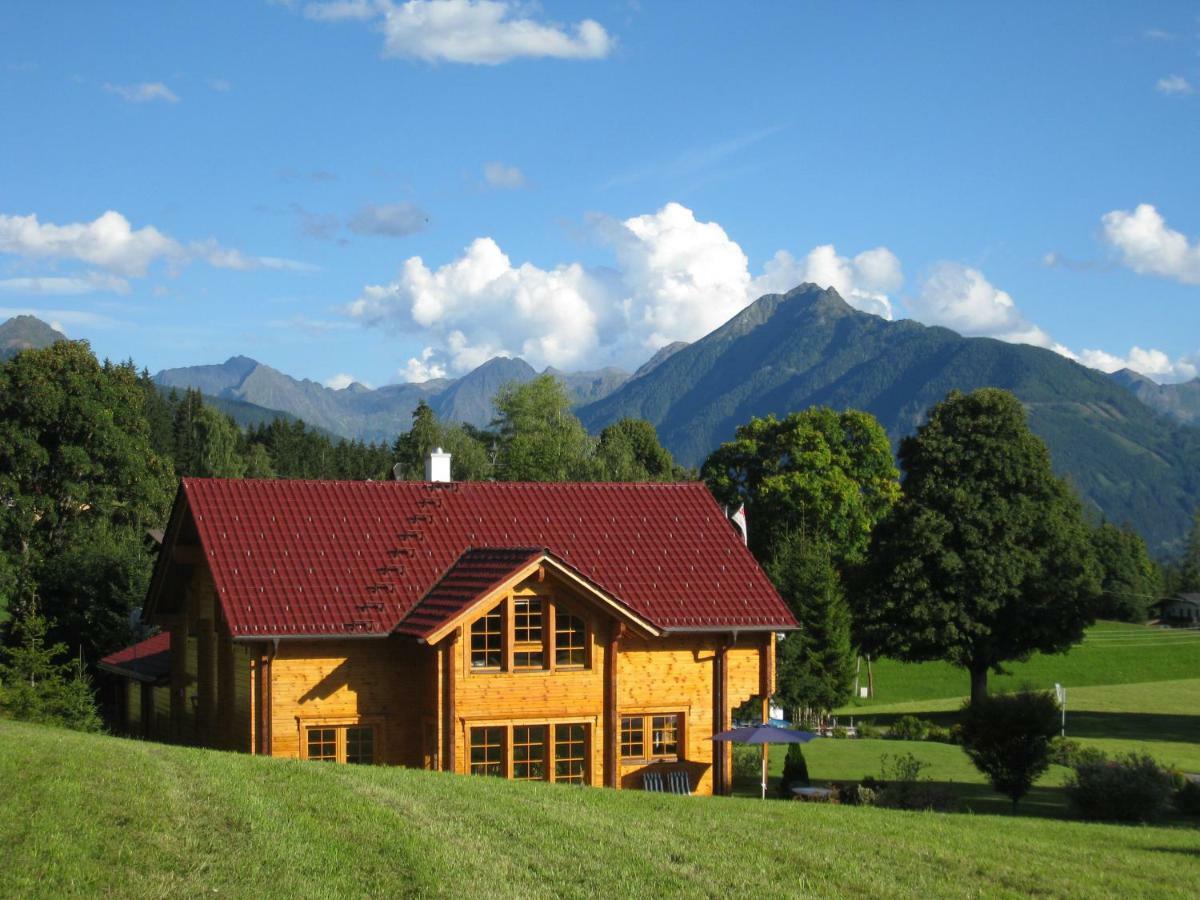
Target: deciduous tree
[
  {"x": 827, "y": 474},
  {"x": 1008, "y": 738},
  {"x": 540, "y": 439},
  {"x": 986, "y": 558},
  {"x": 1130, "y": 580}
]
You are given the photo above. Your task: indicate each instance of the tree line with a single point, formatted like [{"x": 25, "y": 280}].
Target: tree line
[{"x": 978, "y": 554}]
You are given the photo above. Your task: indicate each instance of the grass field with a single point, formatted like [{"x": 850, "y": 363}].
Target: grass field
[
  {"x": 1111, "y": 653},
  {"x": 1129, "y": 688},
  {"x": 86, "y": 815}
]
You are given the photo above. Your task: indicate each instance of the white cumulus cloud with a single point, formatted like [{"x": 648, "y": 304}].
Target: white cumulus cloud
[
  {"x": 675, "y": 278},
  {"x": 486, "y": 32},
  {"x": 1154, "y": 364},
  {"x": 1174, "y": 84},
  {"x": 502, "y": 175},
  {"x": 111, "y": 242},
  {"x": 143, "y": 92},
  {"x": 1149, "y": 247},
  {"x": 341, "y": 381},
  {"x": 962, "y": 299},
  {"x": 864, "y": 281}
]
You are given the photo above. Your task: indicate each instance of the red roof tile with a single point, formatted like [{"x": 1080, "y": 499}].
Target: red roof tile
[
  {"x": 148, "y": 660},
  {"x": 346, "y": 557}
]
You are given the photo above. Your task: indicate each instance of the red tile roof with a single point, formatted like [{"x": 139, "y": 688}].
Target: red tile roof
[
  {"x": 474, "y": 574},
  {"x": 148, "y": 660},
  {"x": 348, "y": 557}
]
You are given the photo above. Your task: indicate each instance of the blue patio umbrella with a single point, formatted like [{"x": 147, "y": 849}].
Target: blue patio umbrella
[{"x": 764, "y": 734}]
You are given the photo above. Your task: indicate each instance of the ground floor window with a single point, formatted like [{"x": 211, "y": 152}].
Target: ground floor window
[
  {"x": 555, "y": 752},
  {"x": 651, "y": 736},
  {"x": 353, "y": 744}
]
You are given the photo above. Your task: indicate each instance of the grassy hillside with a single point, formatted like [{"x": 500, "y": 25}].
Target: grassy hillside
[{"x": 87, "y": 815}]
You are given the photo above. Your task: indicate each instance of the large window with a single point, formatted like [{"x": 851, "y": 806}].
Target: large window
[
  {"x": 529, "y": 633},
  {"x": 557, "y": 752},
  {"x": 353, "y": 744},
  {"x": 655, "y": 736},
  {"x": 529, "y": 752}
]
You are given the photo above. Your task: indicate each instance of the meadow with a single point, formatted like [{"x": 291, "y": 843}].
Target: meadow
[{"x": 102, "y": 816}]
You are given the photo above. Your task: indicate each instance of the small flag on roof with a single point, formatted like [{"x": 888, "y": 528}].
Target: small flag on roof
[{"x": 739, "y": 519}]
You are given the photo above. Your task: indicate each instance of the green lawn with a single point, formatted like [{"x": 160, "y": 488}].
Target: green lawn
[
  {"x": 1111, "y": 653},
  {"x": 86, "y": 815},
  {"x": 1161, "y": 718}
]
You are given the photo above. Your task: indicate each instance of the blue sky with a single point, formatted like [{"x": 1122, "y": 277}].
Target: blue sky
[{"x": 383, "y": 191}]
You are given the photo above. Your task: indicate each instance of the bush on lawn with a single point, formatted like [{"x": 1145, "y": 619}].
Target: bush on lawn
[
  {"x": 1187, "y": 798},
  {"x": 795, "y": 771},
  {"x": 858, "y": 795},
  {"x": 747, "y": 762},
  {"x": 1007, "y": 737},
  {"x": 908, "y": 728},
  {"x": 867, "y": 729},
  {"x": 1129, "y": 788},
  {"x": 1069, "y": 753},
  {"x": 904, "y": 788}
]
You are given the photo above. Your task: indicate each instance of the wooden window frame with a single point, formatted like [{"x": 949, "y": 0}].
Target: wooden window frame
[
  {"x": 552, "y": 603},
  {"x": 499, "y": 610},
  {"x": 340, "y": 726},
  {"x": 550, "y": 742},
  {"x": 647, "y": 718}
]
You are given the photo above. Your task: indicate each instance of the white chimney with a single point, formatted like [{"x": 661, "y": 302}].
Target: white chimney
[{"x": 437, "y": 466}]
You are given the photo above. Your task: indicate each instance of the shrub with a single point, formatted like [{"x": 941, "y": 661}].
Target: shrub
[
  {"x": 858, "y": 795},
  {"x": 1069, "y": 753},
  {"x": 939, "y": 734},
  {"x": 1129, "y": 788},
  {"x": 908, "y": 728},
  {"x": 1187, "y": 798},
  {"x": 839, "y": 733},
  {"x": 795, "y": 771},
  {"x": 903, "y": 787},
  {"x": 1007, "y": 737},
  {"x": 868, "y": 730},
  {"x": 747, "y": 762},
  {"x": 901, "y": 767}
]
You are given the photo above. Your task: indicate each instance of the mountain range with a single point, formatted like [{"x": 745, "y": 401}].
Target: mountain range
[
  {"x": 1129, "y": 445},
  {"x": 377, "y": 414},
  {"x": 789, "y": 351}
]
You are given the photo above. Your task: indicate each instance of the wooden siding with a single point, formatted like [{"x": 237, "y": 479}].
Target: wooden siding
[
  {"x": 545, "y": 696},
  {"x": 677, "y": 675},
  {"x": 374, "y": 681},
  {"x": 423, "y": 700}
]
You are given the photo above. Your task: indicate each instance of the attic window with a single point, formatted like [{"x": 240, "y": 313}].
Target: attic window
[{"x": 528, "y": 651}]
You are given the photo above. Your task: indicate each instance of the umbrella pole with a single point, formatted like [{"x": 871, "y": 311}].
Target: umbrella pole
[{"x": 764, "y": 771}]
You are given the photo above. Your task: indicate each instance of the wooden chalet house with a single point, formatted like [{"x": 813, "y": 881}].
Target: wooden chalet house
[{"x": 576, "y": 633}]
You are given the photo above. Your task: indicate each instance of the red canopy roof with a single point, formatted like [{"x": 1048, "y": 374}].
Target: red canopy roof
[
  {"x": 348, "y": 557},
  {"x": 148, "y": 660}
]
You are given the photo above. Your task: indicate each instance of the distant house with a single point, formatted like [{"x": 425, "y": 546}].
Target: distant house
[
  {"x": 1182, "y": 609},
  {"x": 577, "y": 633}
]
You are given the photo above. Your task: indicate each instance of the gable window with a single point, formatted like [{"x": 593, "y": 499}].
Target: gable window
[
  {"x": 570, "y": 640},
  {"x": 487, "y": 640},
  {"x": 353, "y": 744},
  {"x": 555, "y": 752},
  {"x": 529, "y": 632},
  {"x": 655, "y": 736},
  {"x": 528, "y": 650}
]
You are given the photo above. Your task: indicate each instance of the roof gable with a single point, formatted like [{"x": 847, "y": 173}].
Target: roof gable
[
  {"x": 480, "y": 574},
  {"x": 346, "y": 558},
  {"x": 148, "y": 660}
]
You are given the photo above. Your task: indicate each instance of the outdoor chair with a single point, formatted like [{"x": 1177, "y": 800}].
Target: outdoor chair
[{"x": 675, "y": 781}]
